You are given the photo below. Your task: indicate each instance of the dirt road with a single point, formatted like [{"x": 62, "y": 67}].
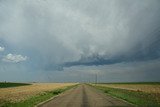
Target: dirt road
[{"x": 84, "y": 96}]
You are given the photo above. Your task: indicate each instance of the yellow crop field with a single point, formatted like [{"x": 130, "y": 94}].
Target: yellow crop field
[
  {"x": 149, "y": 88},
  {"x": 16, "y": 94}
]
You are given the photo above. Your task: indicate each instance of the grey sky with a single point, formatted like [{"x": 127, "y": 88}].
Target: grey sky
[{"x": 56, "y": 40}]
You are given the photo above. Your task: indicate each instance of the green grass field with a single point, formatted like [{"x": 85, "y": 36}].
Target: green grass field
[
  {"x": 135, "y": 97},
  {"x": 8, "y": 84}
]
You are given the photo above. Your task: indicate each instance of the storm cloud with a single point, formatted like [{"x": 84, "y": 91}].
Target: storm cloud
[{"x": 58, "y": 34}]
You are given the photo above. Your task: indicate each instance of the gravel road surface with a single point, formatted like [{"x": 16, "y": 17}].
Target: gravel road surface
[{"x": 85, "y": 96}]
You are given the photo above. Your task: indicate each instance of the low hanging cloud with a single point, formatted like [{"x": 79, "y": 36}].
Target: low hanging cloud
[
  {"x": 14, "y": 58},
  {"x": 1, "y": 49}
]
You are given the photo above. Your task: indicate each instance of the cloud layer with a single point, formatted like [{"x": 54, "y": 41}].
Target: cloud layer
[{"x": 59, "y": 34}]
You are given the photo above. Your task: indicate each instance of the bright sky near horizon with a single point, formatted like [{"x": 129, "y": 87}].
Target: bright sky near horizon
[{"x": 72, "y": 40}]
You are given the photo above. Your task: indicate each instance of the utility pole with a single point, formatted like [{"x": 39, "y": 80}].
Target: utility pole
[{"x": 95, "y": 78}]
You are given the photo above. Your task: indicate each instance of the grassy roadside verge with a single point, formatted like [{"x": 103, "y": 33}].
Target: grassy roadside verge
[
  {"x": 135, "y": 97},
  {"x": 9, "y": 84},
  {"x": 34, "y": 100}
]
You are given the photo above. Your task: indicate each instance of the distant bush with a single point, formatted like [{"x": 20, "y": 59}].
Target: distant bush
[{"x": 56, "y": 92}]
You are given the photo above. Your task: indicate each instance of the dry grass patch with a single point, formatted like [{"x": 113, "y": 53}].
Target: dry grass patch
[
  {"x": 16, "y": 94},
  {"x": 148, "y": 88}
]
